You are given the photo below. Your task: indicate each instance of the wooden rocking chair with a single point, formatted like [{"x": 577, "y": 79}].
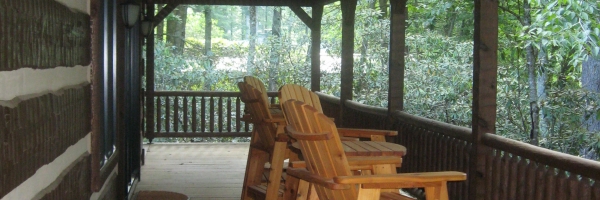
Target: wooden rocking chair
[{"x": 327, "y": 166}]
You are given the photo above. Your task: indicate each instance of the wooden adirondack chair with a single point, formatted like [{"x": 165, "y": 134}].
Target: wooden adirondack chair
[
  {"x": 328, "y": 169},
  {"x": 268, "y": 144},
  {"x": 297, "y": 92}
]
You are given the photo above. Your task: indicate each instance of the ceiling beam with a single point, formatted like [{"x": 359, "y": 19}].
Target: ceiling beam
[{"x": 303, "y": 3}]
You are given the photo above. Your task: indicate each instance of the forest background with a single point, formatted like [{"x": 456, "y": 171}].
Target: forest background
[{"x": 548, "y": 73}]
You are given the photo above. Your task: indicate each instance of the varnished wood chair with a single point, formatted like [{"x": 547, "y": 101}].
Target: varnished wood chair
[
  {"x": 297, "y": 92},
  {"x": 268, "y": 145},
  {"x": 327, "y": 166}
]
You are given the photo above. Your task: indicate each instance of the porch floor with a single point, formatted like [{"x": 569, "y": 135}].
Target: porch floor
[{"x": 200, "y": 171}]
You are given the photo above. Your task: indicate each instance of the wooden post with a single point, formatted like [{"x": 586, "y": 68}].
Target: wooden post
[
  {"x": 398, "y": 17},
  {"x": 347, "y": 76},
  {"x": 150, "y": 79},
  {"x": 315, "y": 48},
  {"x": 485, "y": 71}
]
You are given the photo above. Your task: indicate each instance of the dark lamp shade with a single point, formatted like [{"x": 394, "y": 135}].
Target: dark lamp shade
[
  {"x": 146, "y": 27},
  {"x": 131, "y": 13}
]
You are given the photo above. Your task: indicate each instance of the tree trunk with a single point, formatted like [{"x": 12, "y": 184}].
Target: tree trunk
[
  {"x": 542, "y": 77},
  {"x": 531, "y": 69},
  {"x": 176, "y": 29},
  {"x": 245, "y": 21},
  {"x": 208, "y": 45},
  {"x": 590, "y": 81},
  {"x": 160, "y": 28},
  {"x": 383, "y": 7},
  {"x": 275, "y": 48},
  {"x": 252, "y": 43}
]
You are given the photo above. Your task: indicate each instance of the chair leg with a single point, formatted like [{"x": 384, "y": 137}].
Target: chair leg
[
  {"x": 386, "y": 169},
  {"x": 364, "y": 194},
  {"x": 292, "y": 184},
  {"x": 254, "y": 167},
  {"x": 277, "y": 158},
  {"x": 437, "y": 192}
]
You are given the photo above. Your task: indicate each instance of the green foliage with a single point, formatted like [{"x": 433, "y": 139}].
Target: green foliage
[{"x": 438, "y": 77}]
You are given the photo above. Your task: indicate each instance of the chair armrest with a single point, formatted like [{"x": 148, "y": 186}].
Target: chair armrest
[
  {"x": 405, "y": 180},
  {"x": 364, "y": 133},
  {"x": 312, "y": 178}
]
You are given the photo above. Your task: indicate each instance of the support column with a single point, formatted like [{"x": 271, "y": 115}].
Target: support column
[
  {"x": 150, "y": 79},
  {"x": 347, "y": 76},
  {"x": 315, "y": 48},
  {"x": 398, "y": 17},
  {"x": 485, "y": 71}
]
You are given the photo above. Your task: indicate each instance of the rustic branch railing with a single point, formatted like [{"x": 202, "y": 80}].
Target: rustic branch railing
[
  {"x": 516, "y": 170},
  {"x": 199, "y": 114}
]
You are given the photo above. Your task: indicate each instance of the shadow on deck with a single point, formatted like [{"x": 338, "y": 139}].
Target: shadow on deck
[{"x": 200, "y": 171}]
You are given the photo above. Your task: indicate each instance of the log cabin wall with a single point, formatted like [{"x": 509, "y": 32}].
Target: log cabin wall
[{"x": 45, "y": 105}]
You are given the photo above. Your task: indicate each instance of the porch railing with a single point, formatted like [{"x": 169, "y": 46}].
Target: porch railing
[
  {"x": 199, "y": 114},
  {"x": 514, "y": 170}
]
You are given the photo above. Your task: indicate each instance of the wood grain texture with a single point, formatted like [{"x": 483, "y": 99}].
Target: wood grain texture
[{"x": 200, "y": 171}]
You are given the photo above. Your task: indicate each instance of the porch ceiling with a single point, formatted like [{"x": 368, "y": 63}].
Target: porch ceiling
[{"x": 303, "y": 3}]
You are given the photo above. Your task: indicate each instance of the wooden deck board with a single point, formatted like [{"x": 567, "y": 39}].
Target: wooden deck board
[{"x": 201, "y": 171}]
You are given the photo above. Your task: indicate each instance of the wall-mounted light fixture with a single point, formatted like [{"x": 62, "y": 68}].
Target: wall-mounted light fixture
[
  {"x": 131, "y": 13},
  {"x": 147, "y": 26}
]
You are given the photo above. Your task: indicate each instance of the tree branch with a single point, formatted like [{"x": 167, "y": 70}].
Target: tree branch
[{"x": 505, "y": 9}]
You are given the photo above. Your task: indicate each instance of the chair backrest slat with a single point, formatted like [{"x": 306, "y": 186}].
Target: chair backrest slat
[
  {"x": 259, "y": 113},
  {"x": 260, "y": 86},
  {"x": 325, "y": 158},
  {"x": 292, "y": 91}
]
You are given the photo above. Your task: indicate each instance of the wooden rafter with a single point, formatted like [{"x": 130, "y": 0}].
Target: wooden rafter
[
  {"x": 302, "y": 15},
  {"x": 164, "y": 12}
]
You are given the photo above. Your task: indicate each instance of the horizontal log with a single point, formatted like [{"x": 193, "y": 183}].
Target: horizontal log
[
  {"x": 458, "y": 132},
  {"x": 328, "y": 98},
  {"x": 203, "y": 93},
  {"x": 566, "y": 162},
  {"x": 246, "y": 2},
  {"x": 374, "y": 110},
  {"x": 205, "y": 134}
]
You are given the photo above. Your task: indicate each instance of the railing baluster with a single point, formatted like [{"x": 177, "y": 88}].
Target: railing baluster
[
  {"x": 561, "y": 184},
  {"x": 521, "y": 185},
  {"x": 238, "y": 114},
  {"x": 167, "y": 114},
  {"x": 540, "y": 173},
  {"x": 550, "y": 182},
  {"x": 185, "y": 114},
  {"x": 229, "y": 114},
  {"x": 194, "y": 115},
  {"x": 158, "y": 114},
  {"x": 220, "y": 116},
  {"x": 596, "y": 190},
  {"x": 585, "y": 188},
  {"x": 504, "y": 175},
  {"x": 513, "y": 177},
  {"x": 496, "y": 172},
  {"x": 203, "y": 115},
  {"x": 212, "y": 115},
  {"x": 572, "y": 187},
  {"x": 176, "y": 114}
]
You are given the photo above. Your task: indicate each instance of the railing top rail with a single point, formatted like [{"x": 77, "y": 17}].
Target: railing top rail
[
  {"x": 328, "y": 98},
  {"x": 366, "y": 108},
  {"x": 563, "y": 161},
  {"x": 458, "y": 132},
  {"x": 204, "y": 93}
]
